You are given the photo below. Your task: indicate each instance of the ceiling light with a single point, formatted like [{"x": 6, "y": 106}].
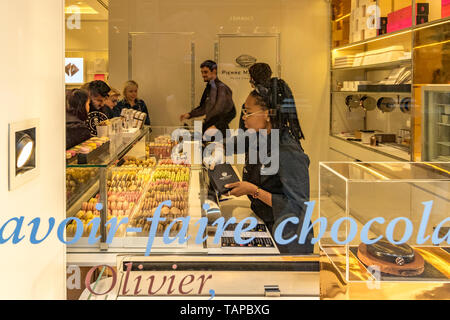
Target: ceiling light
[{"x": 80, "y": 9}]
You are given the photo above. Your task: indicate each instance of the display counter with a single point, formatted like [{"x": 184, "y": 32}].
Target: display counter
[{"x": 134, "y": 183}]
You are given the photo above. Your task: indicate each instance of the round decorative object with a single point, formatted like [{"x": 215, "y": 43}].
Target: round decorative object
[
  {"x": 368, "y": 103},
  {"x": 405, "y": 105},
  {"x": 386, "y": 104},
  {"x": 390, "y": 264},
  {"x": 387, "y": 251},
  {"x": 352, "y": 102},
  {"x": 245, "y": 60},
  {"x": 94, "y": 118}
]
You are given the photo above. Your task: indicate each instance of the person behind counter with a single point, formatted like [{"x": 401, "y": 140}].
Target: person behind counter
[
  {"x": 216, "y": 102},
  {"x": 76, "y": 116},
  {"x": 98, "y": 112},
  {"x": 111, "y": 102},
  {"x": 276, "y": 197},
  {"x": 131, "y": 100},
  {"x": 261, "y": 74}
]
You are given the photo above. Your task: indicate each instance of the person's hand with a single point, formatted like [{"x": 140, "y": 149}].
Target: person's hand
[
  {"x": 185, "y": 117},
  {"x": 216, "y": 157},
  {"x": 241, "y": 188}
]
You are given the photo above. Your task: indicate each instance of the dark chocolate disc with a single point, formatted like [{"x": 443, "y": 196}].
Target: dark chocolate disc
[{"x": 399, "y": 254}]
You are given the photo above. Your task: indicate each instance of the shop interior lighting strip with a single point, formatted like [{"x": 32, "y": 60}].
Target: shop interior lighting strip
[
  {"x": 432, "y": 24},
  {"x": 379, "y": 175},
  {"x": 436, "y": 167},
  {"x": 431, "y": 44},
  {"x": 373, "y": 40},
  {"x": 342, "y": 18}
]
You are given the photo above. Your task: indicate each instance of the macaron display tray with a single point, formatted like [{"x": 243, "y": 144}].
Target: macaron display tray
[{"x": 94, "y": 154}]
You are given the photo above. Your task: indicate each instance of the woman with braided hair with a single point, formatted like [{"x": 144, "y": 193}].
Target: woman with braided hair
[
  {"x": 277, "y": 196},
  {"x": 282, "y": 98}
]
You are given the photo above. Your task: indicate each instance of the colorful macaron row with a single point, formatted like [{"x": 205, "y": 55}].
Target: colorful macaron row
[{"x": 86, "y": 147}]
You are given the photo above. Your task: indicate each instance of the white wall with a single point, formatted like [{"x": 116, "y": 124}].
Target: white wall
[
  {"x": 304, "y": 30},
  {"x": 32, "y": 86}
]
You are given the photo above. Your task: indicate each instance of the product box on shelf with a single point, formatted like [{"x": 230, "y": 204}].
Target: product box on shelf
[
  {"x": 401, "y": 19},
  {"x": 423, "y": 18},
  {"x": 370, "y": 33},
  {"x": 384, "y": 88},
  {"x": 359, "y": 57},
  {"x": 383, "y": 26},
  {"x": 388, "y": 54},
  {"x": 445, "y": 8},
  {"x": 423, "y": 8}
]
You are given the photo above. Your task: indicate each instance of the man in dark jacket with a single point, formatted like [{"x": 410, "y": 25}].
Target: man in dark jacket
[{"x": 216, "y": 103}]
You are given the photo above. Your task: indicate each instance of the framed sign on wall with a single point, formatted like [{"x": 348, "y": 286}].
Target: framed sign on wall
[
  {"x": 74, "y": 70},
  {"x": 235, "y": 53}
]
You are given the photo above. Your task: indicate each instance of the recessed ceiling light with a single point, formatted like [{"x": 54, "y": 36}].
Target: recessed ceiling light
[{"x": 80, "y": 8}]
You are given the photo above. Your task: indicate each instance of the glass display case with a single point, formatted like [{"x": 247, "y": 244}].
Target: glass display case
[
  {"x": 133, "y": 184},
  {"x": 88, "y": 185},
  {"x": 368, "y": 207},
  {"x": 436, "y": 127}
]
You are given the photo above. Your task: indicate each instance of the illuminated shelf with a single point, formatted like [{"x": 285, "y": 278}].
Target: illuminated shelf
[
  {"x": 432, "y": 23},
  {"x": 444, "y": 124},
  {"x": 378, "y": 38},
  {"x": 385, "y": 65},
  {"x": 342, "y": 17},
  {"x": 396, "y": 33},
  {"x": 444, "y": 143}
]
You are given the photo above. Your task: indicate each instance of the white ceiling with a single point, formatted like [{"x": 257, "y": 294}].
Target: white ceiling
[{"x": 94, "y": 4}]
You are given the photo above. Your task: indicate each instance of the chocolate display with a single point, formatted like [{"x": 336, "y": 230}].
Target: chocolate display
[
  {"x": 397, "y": 260},
  {"x": 386, "y": 251},
  {"x": 257, "y": 242},
  {"x": 258, "y": 228}
]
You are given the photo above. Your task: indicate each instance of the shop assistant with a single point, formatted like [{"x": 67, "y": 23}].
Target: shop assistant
[
  {"x": 216, "y": 103},
  {"x": 279, "y": 196}
]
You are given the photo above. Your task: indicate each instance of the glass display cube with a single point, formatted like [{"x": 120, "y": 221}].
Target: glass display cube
[{"x": 396, "y": 195}]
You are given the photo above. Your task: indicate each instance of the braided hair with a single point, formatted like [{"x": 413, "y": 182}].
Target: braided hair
[{"x": 278, "y": 99}]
